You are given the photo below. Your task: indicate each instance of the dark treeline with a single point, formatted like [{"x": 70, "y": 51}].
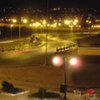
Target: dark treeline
[{"x": 11, "y": 33}]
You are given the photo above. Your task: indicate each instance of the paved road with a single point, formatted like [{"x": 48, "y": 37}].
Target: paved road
[
  {"x": 89, "y": 51},
  {"x": 31, "y": 56}
]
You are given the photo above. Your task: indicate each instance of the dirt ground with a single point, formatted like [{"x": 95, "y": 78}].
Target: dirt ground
[
  {"x": 49, "y": 77},
  {"x": 32, "y": 77}
]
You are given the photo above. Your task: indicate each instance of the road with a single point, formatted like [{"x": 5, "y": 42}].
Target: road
[
  {"x": 89, "y": 50},
  {"x": 30, "y": 56}
]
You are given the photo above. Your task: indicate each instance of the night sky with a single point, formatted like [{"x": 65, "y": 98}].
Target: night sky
[{"x": 52, "y": 3}]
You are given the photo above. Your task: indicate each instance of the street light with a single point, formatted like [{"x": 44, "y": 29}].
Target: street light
[
  {"x": 59, "y": 61},
  {"x": 73, "y": 61},
  {"x": 71, "y": 23},
  {"x": 45, "y": 22},
  {"x": 46, "y": 48},
  {"x": 23, "y": 21},
  {"x": 11, "y": 26},
  {"x": 14, "y": 20}
]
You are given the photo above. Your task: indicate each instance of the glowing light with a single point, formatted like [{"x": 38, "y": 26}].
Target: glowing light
[
  {"x": 25, "y": 20},
  {"x": 54, "y": 25},
  {"x": 14, "y": 20},
  {"x": 48, "y": 25},
  {"x": 30, "y": 25},
  {"x": 67, "y": 22},
  {"x": 36, "y": 24},
  {"x": 59, "y": 24},
  {"x": 11, "y": 25},
  {"x": 76, "y": 20},
  {"x": 44, "y": 22},
  {"x": 73, "y": 61},
  {"x": 57, "y": 61}
]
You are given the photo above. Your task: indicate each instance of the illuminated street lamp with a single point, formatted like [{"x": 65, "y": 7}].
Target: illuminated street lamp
[
  {"x": 14, "y": 20},
  {"x": 73, "y": 61},
  {"x": 75, "y": 22},
  {"x": 67, "y": 22},
  {"x": 11, "y": 26},
  {"x": 59, "y": 61},
  {"x": 71, "y": 23},
  {"x": 23, "y": 21},
  {"x": 44, "y": 23},
  {"x": 46, "y": 48}
]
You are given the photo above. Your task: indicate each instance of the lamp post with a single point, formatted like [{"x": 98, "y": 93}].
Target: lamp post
[
  {"x": 46, "y": 47},
  {"x": 19, "y": 30},
  {"x": 65, "y": 79},
  {"x": 71, "y": 23},
  {"x": 59, "y": 61},
  {"x": 23, "y": 21},
  {"x": 44, "y": 22},
  {"x": 11, "y": 26},
  {"x": 14, "y": 21}
]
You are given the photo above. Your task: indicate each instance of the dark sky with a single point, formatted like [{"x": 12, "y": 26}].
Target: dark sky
[{"x": 52, "y": 3}]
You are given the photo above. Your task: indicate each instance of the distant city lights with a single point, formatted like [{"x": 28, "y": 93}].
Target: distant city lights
[{"x": 67, "y": 23}]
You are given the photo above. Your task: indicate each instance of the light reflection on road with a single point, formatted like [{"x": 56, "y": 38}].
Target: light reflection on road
[{"x": 37, "y": 55}]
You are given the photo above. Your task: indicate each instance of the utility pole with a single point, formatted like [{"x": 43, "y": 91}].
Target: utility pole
[
  {"x": 65, "y": 79},
  {"x": 46, "y": 47}
]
